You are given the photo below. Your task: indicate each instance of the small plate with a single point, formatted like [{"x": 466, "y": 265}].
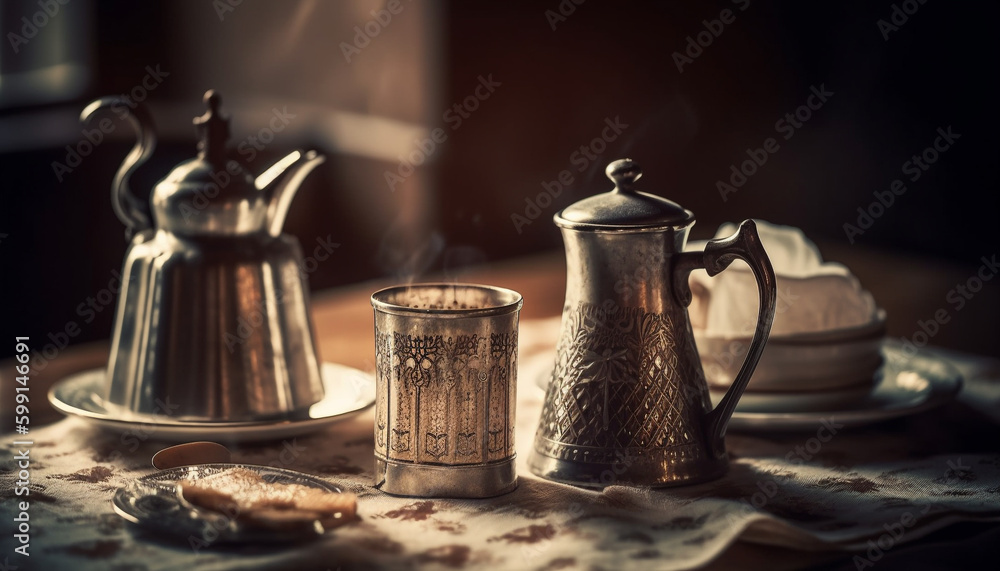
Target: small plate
[
  {"x": 908, "y": 385},
  {"x": 155, "y": 503},
  {"x": 799, "y": 402},
  {"x": 348, "y": 391},
  {"x": 904, "y": 386}
]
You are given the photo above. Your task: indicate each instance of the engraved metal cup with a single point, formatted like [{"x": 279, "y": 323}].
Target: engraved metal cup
[
  {"x": 446, "y": 371},
  {"x": 628, "y": 402}
]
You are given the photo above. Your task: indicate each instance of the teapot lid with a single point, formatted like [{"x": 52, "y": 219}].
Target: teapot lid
[
  {"x": 210, "y": 194},
  {"x": 212, "y": 160},
  {"x": 623, "y": 208}
]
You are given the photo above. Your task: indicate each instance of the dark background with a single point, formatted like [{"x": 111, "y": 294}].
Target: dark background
[{"x": 605, "y": 60}]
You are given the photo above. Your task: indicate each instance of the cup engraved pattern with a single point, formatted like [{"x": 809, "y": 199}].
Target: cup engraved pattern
[{"x": 447, "y": 398}]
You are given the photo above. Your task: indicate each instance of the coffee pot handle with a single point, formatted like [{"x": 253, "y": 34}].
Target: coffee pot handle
[{"x": 745, "y": 244}]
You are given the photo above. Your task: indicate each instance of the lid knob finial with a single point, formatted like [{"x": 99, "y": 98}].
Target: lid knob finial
[
  {"x": 213, "y": 129},
  {"x": 624, "y": 173}
]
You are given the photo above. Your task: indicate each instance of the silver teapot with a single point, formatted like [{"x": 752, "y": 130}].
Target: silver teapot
[
  {"x": 212, "y": 322},
  {"x": 627, "y": 402}
]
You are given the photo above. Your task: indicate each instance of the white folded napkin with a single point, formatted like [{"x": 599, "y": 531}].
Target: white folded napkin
[{"x": 813, "y": 295}]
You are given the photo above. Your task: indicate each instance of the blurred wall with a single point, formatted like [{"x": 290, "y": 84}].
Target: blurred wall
[
  {"x": 562, "y": 77},
  {"x": 702, "y": 87},
  {"x": 456, "y": 130}
]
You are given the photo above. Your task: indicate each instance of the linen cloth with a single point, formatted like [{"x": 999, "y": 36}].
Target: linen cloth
[{"x": 867, "y": 489}]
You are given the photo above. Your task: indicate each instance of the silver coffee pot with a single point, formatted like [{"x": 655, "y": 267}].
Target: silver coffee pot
[
  {"x": 212, "y": 321},
  {"x": 627, "y": 402}
]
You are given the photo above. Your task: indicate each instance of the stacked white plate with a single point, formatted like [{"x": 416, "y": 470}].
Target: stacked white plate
[{"x": 802, "y": 372}]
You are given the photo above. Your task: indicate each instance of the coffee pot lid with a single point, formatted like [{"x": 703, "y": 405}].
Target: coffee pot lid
[{"x": 624, "y": 207}]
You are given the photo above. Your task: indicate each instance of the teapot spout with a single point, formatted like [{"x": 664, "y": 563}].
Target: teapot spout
[{"x": 280, "y": 183}]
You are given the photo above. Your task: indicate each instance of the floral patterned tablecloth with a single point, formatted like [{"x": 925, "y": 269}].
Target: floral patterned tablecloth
[{"x": 867, "y": 490}]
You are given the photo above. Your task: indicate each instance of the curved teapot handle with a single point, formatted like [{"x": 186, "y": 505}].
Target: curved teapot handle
[
  {"x": 130, "y": 211},
  {"x": 745, "y": 244}
]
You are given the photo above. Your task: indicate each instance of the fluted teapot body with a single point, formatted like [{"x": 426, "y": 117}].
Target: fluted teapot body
[{"x": 212, "y": 321}]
